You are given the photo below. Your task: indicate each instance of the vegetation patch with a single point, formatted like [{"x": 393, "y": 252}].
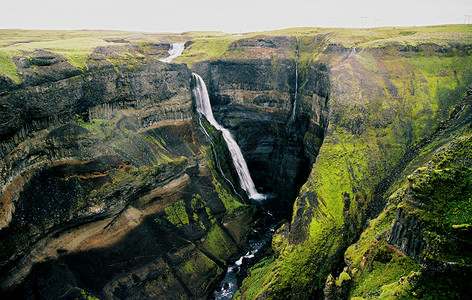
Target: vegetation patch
[
  {"x": 177, "y": 213},
  {"x": 219, "y": 243}
]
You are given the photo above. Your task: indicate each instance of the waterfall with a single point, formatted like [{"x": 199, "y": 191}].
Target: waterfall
[
  {"x": 175, "y": 51},
  {"x": 296, "y": 81},
  {"x": 204, "y": 108}
]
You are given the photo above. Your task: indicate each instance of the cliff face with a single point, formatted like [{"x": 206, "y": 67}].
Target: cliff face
[
  {"x": 253, "y": 89},
  {"x": 155, "y": 92},
  {"x": 108, "y": 185},
  {"x": 386, "y": 102},
  {"x": 418, "y": 243}
]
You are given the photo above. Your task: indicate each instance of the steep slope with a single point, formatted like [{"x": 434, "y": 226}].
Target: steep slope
[
  {"x": 386, "y": 97},
  {"x": 252, "y": 88},
  {"x": 110, "y": 189},
  {"x": 416, "y": 248},
  {"x": 108, "y": 186}
]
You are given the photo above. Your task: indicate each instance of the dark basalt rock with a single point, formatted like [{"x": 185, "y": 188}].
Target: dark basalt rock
[
  {"x": 407, "y": 235},
  {"x": 6, "y": 84},
  {"x": 45, "y": 58},
  {"x": 253, "y": 98}
]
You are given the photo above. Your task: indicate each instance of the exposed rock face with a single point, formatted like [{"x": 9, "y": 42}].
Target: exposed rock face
[
  {"x": 374, "y": 120},
  {"x": 108, "y": 188},
  {"x": 253, "y": 97},
  {"x": 418, "y": 242},
  {"x": 105, "y": 188},
  {"x": 156, "y": 92},
  {"x": 407, "y": 235}
]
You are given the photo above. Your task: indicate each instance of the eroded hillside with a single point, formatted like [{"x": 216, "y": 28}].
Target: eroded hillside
[{"x": 110, "y": 188}]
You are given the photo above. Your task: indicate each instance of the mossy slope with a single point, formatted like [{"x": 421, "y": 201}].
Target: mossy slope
[{"x": 381, "y": 106}]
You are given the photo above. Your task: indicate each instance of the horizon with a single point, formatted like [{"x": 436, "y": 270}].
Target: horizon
[
  {"x": 210, "y": 15},
  {"x": 230, "y": 33}
]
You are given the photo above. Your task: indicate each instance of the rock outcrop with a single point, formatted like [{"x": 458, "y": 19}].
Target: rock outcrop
[{"x": 380, "y": 107}]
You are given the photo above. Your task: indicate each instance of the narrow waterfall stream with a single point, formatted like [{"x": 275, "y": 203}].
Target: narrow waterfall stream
[
  {"x": 204, "y": 108},
  {"x": 296, "y": 81},
  {"x": 175, "y": 51},
  {"x": 261, "y": 236}
]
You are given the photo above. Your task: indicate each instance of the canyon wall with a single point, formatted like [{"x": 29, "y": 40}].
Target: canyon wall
[
  {"x": 386, "y": 103},
  {"x": 110, "y": 188},
  {"x": 252, "y": 88}
]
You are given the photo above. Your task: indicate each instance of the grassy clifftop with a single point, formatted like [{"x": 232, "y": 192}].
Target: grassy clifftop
[{"x": 77, "y": 46}]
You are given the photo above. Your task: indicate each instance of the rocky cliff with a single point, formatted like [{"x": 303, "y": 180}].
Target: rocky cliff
[
  {"x": 387, "y": 100},
  {"x": 109, "y": 188},
  {"x": 360, "y": 137},
  {"x": 253, "y": 92}
]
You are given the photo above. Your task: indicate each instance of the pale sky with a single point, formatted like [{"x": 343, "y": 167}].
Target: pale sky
[{"x": 228, "y": 16}]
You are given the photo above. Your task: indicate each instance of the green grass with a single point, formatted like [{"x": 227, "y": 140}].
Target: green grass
[
  {"x": 252, "y": 282},
  {"x": 398, "y": 100},
  {"x": 373, "y": 284},
  {"x": 75, "y": 50},
  {"x": 76, "y": 46},
  {"x": 8, "y": 67},
  {"x": 440, "y": 39},
  {"x": 18, "y": 36},
  {"x": 446, "y": 187},
  {"x": 206, "y": 49}
]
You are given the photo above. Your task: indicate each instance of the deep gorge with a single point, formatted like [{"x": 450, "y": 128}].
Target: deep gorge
[{"x": 110, "y": 188}]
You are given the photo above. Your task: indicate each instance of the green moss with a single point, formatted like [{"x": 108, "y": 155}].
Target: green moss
[
  {"x": 372, "y": 284},
  {"x": 219, "y": 243},
  {"x": 441, "y": 195},
  {"x": 121, "y": 134},
  {"x": 228, "y": 198},
  {"x": 252, "y": 283},
  {"x": 382, "y": 223},
  {"x": 177, "y": 213},
  {"x": 401, "y": 289},
  {"x": 380, "y": 106},
  {"x": 344, "y": 276},
  {"x": 8, "y": 67},
  {"x": 462, "y": 226},
  {"x": 87, "y": 296},
  {"x": 446, "y": 186}
]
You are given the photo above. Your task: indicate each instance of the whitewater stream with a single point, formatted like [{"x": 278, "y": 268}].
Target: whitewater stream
[
  {"x": 262, "y": 234},
  {"x": 204, "y": 108},
  {"x": 175, "y": 51},
  {"x": 237, "y": 271}
]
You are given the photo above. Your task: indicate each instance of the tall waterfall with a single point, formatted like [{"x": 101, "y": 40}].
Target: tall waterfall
[
  {"x": 175, "y": 51},
  {"x": 204, "y": 108},
  {"x": 296, "y": 81}
]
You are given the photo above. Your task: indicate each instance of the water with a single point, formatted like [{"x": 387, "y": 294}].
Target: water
[
  {"x": 229, "y": 285},
  {"x": 296, "y": 81},
  {"x": 204, "y": 108},
  {"x": 175, "y": 51}
]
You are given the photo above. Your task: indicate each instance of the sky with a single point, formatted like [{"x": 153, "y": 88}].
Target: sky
[{"x": 228, "y": 16}]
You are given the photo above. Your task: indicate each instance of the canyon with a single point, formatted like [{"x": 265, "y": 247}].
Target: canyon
[{"x": 114, "y": 186}]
